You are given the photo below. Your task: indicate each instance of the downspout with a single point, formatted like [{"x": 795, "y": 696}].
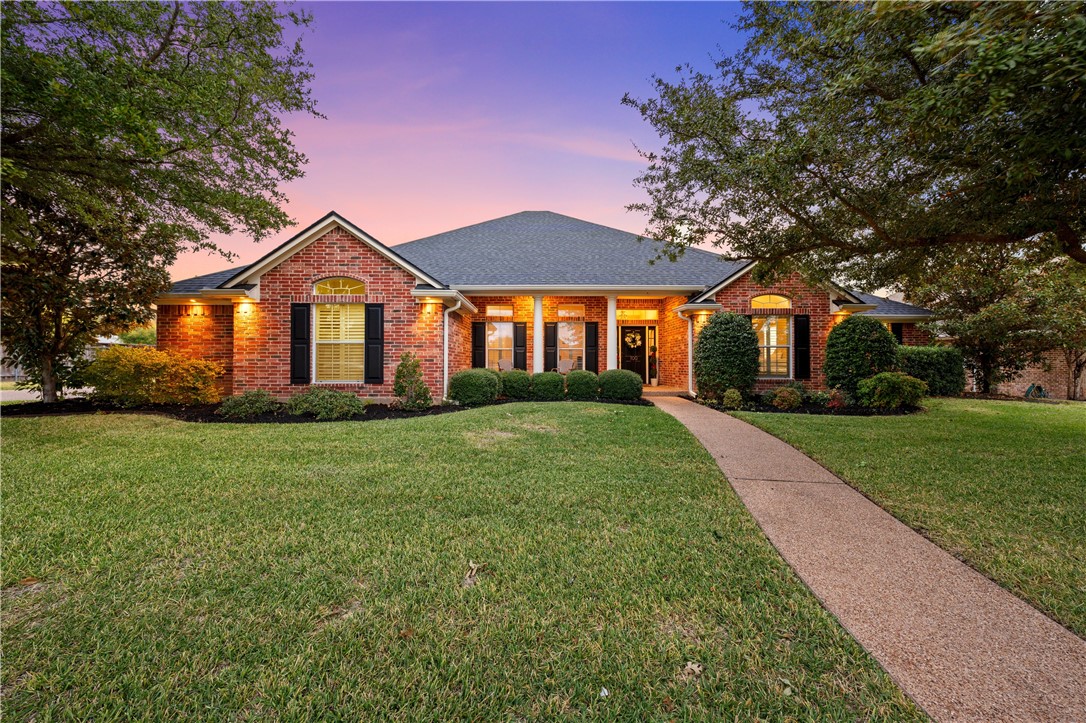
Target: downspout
[
  {"x": 689, "y": 351},
  {"x": 445, "y": 351}
]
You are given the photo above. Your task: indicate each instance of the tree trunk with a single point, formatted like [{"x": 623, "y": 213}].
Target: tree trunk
[
  {"x": 48, "y": 380},
  {"x": 985, "y": 380},
  {"x": 1076, "y": 365}
]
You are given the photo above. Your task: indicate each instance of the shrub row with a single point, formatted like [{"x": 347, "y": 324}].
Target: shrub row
[
  {"x": 942, "y": 368},
  {"x": 473, "y": 387},
  {"x": 319, "y": 402},
  {"x": 134, "y": 376}
]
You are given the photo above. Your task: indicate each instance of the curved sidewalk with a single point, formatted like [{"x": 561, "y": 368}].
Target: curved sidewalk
[{"x": 962, "y": 647}]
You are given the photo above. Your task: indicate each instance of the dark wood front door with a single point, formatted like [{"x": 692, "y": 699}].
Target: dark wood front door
[{"x": 634, "y": 343}]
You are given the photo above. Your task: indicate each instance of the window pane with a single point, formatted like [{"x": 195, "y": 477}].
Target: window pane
[
  {"x": 499, "y": 335},
  {"x": 770, "y": 301},
  {"x": 778, "y": 362},
  {"x": 576, "y": 355},
  {"x": 340, "y": 362},
  {"x": 500, "y": 310},
  {"x": 493, "y": 356},
  {"x": 340, "y": 322},
  {"x": 571, "y": 311},
  {"x": 339, "y": 286},
  {"x": 571, "y": 334}
]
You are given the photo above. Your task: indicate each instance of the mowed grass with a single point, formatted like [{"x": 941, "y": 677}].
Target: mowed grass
[
  {"x": 322, "y": 571},
  {"x": 1001, "y": 485}
]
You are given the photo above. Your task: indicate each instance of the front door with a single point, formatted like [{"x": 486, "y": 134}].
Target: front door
[{"x": 634, "y": 346}]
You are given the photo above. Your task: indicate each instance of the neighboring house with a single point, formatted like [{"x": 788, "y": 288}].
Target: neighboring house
[{"x": 535, "y": 290}]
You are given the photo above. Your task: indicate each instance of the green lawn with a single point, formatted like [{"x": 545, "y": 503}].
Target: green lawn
[
  {"x": 1001, "y": 485},
  {"x": 7, "y": 386},
  {"x": 233, "y": 571}
]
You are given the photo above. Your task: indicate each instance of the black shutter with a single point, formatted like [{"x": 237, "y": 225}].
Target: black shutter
[
  {"x": 550, "y": 347},
  {"x": 520, "y": 345},
  {"x": 801, "y": 341},
  {"x": 299, "y": 344},
  {"x": 591, "y": 346},
  {"x": 898, "y": 331},
  {"x": 478, "y": 344},
  {"x": 375, "y": 344}
]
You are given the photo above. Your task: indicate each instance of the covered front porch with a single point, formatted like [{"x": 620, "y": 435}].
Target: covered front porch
[{"x": 644, "y": 332}]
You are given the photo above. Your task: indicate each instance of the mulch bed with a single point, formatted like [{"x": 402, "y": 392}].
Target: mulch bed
[
  {"x": 205, "y": 413},
  {"x": 812, "y": 409}
]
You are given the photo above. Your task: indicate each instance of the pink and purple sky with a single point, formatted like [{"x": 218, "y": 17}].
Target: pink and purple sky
[{"x": 441, "y": 115}]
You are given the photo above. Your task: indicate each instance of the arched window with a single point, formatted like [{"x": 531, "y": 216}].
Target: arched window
[
  {"x": 339, "y": 333},
  {"x": 338, "y": 286},
  {"x": 774, "y": 335}
]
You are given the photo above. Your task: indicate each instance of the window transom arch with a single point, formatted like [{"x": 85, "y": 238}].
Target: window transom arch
[
  {"x": 339, "y": 286},
  {"x": 771, "y": 301}
]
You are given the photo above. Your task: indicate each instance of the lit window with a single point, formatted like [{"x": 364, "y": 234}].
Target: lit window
[
  {"x": 638, "y": 315},
  {"x": 339, "y": 287},
  {"x": 499, "y": 341},
  {"x": 499, "y": 311},
  {"x": 340, "y": 342},
  {"x": 774, "y": 336},
  {"x": 571, "y": 345}
]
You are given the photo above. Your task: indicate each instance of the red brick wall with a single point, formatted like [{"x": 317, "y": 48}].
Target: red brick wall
[
  {"x": 913, "y": 335},
  {"x": 1052, "y": 375},
  {"x": 200, "y": 330},
  {"x": 674, "y": 335}
]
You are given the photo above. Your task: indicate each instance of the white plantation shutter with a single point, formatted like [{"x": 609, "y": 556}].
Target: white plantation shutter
[{"x": 339, "y": 331}]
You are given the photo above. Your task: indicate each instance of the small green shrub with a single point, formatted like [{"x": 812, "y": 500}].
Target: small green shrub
[
  {"x": 725, "y": 356},
  {"x": 857, "y": 348},
  {"x": 132, "y": 376},
  {"x": 517, "y": 384},
  {"x": 838, "y": 399},
  {"x": 798, "y": 388},
  {"x": 582, "y": 386},
  {"x": 732, "y": 399},
  {"x": 767, "y": 397},
  {"x": 248, "y": 405},
  {"x": 473, "y": 387},
  {"x": 787, "y": 398},
  {"x": 497, "y": 377},
  {"x": 820, "y": 399},
  {"x": 548, "y": 387},
  {"x": 891, "y": 390},
  {"x": 324, "y": 403},
  {"x": 411, "y": 391},
  {"x": 941, "y": 367},
  {"x": 620, "y": 385}
]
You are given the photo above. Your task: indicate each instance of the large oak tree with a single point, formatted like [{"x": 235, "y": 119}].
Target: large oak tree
[
  {"x": 131, "y": 132},
  {"x": 859, "y": 140}
]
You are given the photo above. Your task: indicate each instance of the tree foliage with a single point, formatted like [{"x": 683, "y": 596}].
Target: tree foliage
[
  {"x": 860, "y": 139},
  {"x": 131, "y": 132}
]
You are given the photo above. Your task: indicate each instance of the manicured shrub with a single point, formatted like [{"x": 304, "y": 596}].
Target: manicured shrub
[
  {"x": 891, "y": 390},
  {"x": 838, "y": 399},
  {"x": 131, "y": 376},
  {"x": 620, "y": 384},
  {"x": 324, "y": 403},
  {"x": 732, "y": 399},
  {"x": 517, "y": 384},
  {"x": 473, "y": 387},
  {"x": 548, "y": 387},
  {"x": 582, "y": 386},
  {"x": 787, "y": 398},
  {"x": 497, "y": 377},
  {"x": 819, "y": 399},
  {"x": 767, "y": 397},
  {"x": 859, "y": 347},
  {"x": 725, "y": 356},
  {"x": 798, "y": 388},
  {"x": 410, "y": 390},
  {"x": 248, "y": 405},
  {"x": 941, "y": 367}
]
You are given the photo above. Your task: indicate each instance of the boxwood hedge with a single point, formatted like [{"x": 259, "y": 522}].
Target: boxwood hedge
[
  {"x": 548, "y": 387},
  {"x": 620, "y": 384},
  {"x": 859, "y": 347},
  {"x": 582, "y": 386},
  {"x": 517, "y": 384},
  {"x": 941, "y": 367},
  {"x": 472, "y": 387},
  {"x": 725, "y": 356}
]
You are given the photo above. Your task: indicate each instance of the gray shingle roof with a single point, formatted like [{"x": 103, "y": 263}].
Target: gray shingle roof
[
  {"x": 889, "y": 307},
  {"x": 543, "y": 248},
  {"x": 207, "y": 281}
]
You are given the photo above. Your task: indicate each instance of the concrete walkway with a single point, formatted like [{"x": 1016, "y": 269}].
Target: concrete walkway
[{"x": 962, "y": 647}]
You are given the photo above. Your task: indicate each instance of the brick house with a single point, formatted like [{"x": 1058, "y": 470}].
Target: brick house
[{"x": 535, "y": 290}]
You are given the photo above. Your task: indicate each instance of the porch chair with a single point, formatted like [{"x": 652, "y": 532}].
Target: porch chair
[
  {"x": 565, "y": 366},
  {"x": 505, "y": 365}
]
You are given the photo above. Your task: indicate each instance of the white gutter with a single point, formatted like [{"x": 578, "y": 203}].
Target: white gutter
[
  {"x": 689, "y": 351},
  {"x": 445, "y": 352}
]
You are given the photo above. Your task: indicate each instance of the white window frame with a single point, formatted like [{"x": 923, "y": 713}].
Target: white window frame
[
  {"x": 576, "y": 319},
  {"x": 512, "y": 339},
  {"x": 790, "y": 346}
]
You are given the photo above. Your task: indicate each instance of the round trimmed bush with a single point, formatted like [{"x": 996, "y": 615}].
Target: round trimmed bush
[
  {"x": 941, "y": 367},
  {"x": 725, "y": 356},
  {"x": 732, "y": 399},
  {"x": 517, "y": 384},
  {"x": 548, "y": 387},
  {"x": 859, "y": 347},
  {"x": 787, "y": 398},
  {"x": 620, "y": 385},
  {"x": 473, "y": 387},
  {"x": 497, "y": 378},
  {"x": 891, "y": 390},
  {"x": 582, "y": 386},
  {"x": 248, "y": 405}
]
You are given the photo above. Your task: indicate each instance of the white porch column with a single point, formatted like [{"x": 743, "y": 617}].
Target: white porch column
[
  {"x": 537, "y": 334},
  {"x": 612, "y": 332}
]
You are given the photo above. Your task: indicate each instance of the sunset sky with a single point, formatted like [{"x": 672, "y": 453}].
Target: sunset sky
[{"x": 442, "y": 115}]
